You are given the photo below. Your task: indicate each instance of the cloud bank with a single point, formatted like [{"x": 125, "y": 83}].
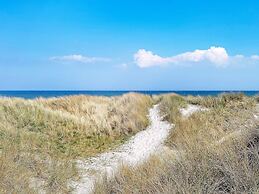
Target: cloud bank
[
  {"x": 215, "y": 55},
  {"x": 79, "y": 58}
]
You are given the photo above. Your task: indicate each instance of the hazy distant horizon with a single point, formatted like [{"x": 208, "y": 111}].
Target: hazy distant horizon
[{"x": 59, "y": 93}]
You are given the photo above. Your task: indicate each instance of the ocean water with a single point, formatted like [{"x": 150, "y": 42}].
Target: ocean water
[{"x": 52, "y": 93}]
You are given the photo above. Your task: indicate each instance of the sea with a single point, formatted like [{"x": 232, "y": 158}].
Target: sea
[{"x": 52, "y": 93}]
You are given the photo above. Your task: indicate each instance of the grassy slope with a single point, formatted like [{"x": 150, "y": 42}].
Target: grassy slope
[
  {"x": 210, "y": 152},
  {"x": 40, "y": 138}
]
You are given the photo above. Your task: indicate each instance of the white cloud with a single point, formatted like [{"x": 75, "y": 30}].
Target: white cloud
[
  {"x": 255, "y": 57},
  {"x": 215, "y": 55},
  {"x": 79, "y": 58}
]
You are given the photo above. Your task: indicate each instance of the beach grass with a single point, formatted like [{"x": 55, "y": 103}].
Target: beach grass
[
  {"x": 212, "y": 151},
  {"x": 40, "y": 139}
]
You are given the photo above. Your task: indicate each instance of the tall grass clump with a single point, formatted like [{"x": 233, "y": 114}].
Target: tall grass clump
[
  {"x": 170, "y": 105},
  {"x": 40, "y": 139},
  {"x": 214, "y": 151}
]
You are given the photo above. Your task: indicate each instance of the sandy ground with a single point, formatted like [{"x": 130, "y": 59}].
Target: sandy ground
[
  {"x": 256, "y": 115},
  {"x": 135, "y": 151},
  {"x": 190, "y": 109}
]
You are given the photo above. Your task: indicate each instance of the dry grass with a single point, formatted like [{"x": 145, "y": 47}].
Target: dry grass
[
  {"x": 215, "y": 151},
  {"x": 40, "y": 138}
]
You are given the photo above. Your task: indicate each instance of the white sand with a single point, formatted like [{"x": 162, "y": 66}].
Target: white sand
[
  {"x": 190, "y": 109},
  {"x": 135, "y": 151},
  {"x": 256, "y": 115}
]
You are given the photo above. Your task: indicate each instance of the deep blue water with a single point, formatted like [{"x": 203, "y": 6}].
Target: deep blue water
[{"x": 48, "y": 94}]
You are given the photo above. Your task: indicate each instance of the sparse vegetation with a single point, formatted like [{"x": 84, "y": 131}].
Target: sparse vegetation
[
  {"x": 214, "y": 151},
  {"x": 39, "y": 139}
]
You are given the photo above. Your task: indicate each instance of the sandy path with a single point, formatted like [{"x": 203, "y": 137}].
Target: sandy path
[
  {"x": 135, "y": 151},
  {"x": 190, "y": 109}
]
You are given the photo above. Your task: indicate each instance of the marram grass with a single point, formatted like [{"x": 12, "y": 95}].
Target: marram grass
[
  {"x": 215, "y": 151},
  {"x": 40, "y": 139}
]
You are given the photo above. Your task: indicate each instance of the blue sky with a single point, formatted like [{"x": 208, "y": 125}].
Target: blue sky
[{"x": 129, "y": 45}]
